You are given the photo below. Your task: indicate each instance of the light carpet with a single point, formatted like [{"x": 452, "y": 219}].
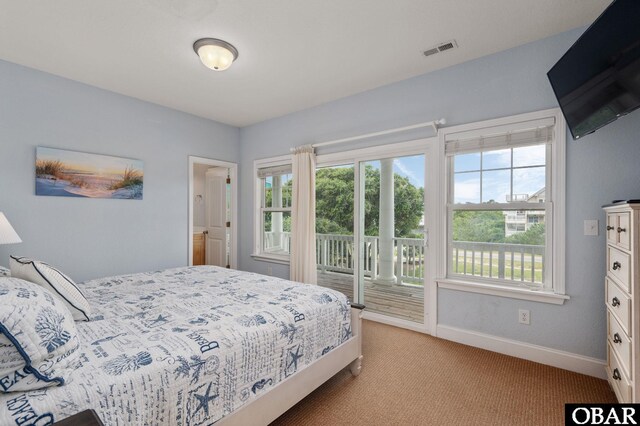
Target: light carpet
[{"x": 409, "y": 378}]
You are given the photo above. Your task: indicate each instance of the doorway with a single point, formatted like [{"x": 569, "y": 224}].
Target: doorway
[
  {"x": 374, "y": 209},
  {"x": 392, "y": 251},
  {"x": 212, "y": 232}
]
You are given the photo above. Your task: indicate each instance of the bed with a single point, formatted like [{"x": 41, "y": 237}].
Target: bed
[{"x": 198, "y": 345}]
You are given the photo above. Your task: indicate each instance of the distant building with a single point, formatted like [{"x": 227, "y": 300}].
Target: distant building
[{"x": 517, "y": 221}]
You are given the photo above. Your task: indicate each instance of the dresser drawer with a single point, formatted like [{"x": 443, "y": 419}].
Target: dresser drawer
[
  {"x": 619, "y": 229},
  {"x": 619, "y": 267},
  {"x": 617, "y": 377},
  {"x": 612, "y": 226},
  {"x": 619, "y": 305},
  {"x": 624, "y": 230},
  {"x": 620, "y": 342}
]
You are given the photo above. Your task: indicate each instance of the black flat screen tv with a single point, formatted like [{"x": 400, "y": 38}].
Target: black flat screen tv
[{"x": 598, "y": 79}]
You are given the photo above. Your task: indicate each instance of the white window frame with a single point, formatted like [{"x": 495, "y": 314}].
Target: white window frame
[
  {"x": 259, "y": 210},
  {"x": 554, "y": 288}
]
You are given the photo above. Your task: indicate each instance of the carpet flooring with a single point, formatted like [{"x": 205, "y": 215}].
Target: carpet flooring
[{"x": 410, "y": 378}]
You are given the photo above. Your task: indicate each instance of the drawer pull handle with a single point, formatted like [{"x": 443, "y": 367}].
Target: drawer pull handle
[
  {"x": 615, "y": 302},
  {"x": 616, "y": 374},
  {"x": 616, "y": 338},
  {"x": 610, "y": 228},
  {"x": 616, "y": 266},
  {"x": 621, "y": 230}
]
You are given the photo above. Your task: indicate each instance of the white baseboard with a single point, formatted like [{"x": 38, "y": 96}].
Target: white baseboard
[
  {"x": 396, "y": 322},
  {"x": 553, "y": 357}
]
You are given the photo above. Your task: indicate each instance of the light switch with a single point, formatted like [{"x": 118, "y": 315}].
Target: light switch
[{"x": 591, "y": 227}]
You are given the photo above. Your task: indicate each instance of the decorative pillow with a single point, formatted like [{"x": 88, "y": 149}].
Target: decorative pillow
[
  {"x": 38, "y": 337},
  {"x": 53, "y": 280},
  {"x": 4, "y": 272}
]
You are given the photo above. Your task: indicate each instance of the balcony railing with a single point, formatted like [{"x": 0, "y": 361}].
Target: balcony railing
[
  {"x": 516, "y": 262},
  {"x": 277, "y": 242},
  {"x": 335, "y": 253}
]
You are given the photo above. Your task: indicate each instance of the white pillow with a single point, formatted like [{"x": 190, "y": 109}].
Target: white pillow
[
  {"x": 4, "y": 272},
  {"x": 54, "y": 281},
  {"x": 38, "y": 337}
]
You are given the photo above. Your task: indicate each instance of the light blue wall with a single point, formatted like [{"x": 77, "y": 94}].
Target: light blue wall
[
  {"x": 99, "y": 237},
  {"x": 601, "y": 167}
]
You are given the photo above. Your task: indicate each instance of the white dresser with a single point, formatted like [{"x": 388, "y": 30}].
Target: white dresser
[{"x": 622, "y": 286}]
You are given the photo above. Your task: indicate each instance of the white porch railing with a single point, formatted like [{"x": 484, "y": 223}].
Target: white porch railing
[
  {"x": 335, "y": 253},
  {"x": 517, "y": 262},
  {"x": 277, "y": 242}
]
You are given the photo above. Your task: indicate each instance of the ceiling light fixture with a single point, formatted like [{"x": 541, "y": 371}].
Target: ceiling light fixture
[{"x": 215, "y": 54}]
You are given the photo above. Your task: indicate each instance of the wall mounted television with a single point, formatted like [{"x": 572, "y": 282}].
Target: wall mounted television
[{"x": 598, "y": 79}]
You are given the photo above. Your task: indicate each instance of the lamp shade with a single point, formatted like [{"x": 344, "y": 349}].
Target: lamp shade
[
  {"x": 215, "y": 54},
  {"x": 7, "y": 234}
]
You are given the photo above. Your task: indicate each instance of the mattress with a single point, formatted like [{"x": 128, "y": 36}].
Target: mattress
[{"x": 187, "y": 346}]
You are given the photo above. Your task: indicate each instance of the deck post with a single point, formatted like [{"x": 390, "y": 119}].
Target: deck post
[
  {"x": 374, "y": 259},
  {"x": 386, "y": 222},
  {"x": 276, "y": 217},
  {"x": 399, "y": 261},
  {"x": 323, "y": 253}
]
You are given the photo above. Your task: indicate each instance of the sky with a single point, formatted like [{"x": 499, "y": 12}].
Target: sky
[
  {"x": 481, "y": 177},
  {"x": 85, "y": 162},
  {"x": 409, "y": 167}
]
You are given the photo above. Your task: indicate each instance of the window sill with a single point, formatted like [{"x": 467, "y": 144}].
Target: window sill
[
  {"x": 502, "y": 291},
  {"x": 281, "y": 260}
]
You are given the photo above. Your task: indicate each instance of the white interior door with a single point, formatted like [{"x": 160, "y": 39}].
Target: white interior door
[{"x": 216, "y": 216}]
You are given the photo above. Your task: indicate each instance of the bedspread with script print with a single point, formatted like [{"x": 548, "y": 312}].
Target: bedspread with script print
[{"x": 187, "y": 346}]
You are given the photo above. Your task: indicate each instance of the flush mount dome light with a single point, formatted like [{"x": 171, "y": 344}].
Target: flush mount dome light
[{"x": 215, "y": 54}]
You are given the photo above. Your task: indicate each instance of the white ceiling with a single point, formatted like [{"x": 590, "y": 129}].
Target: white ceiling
[{"x": 294, "y": 54}]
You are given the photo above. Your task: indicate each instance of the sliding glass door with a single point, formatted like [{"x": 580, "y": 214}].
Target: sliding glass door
[
  {"x": 335, "y": 251},
  {"x": 370, "y": 229},
  {"x": 391, "y": 231}
]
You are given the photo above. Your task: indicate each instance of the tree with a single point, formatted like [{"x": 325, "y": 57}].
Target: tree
[
  {"x": 532, "y": 236},
  {"x": 488, "y": 226},
  {"x": 481, "y": 226},
  {"x": 334, "y": 202}
]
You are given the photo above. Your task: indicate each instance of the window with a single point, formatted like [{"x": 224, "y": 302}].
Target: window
[
  {"x": 505, "y": 178},
  {"x": 273, "y": 224}
]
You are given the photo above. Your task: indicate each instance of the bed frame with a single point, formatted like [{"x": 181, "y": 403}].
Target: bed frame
[{"x": 287, "y": 393}]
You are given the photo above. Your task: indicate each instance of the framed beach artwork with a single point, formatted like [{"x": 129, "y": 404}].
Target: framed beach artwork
[{"x": 78, "y": 174}]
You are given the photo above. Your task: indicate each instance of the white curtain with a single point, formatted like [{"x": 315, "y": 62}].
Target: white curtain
[{"x": 303, "y": 216}]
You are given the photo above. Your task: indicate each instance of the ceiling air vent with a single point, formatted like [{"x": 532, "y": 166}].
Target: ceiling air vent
[{"x": 448, "y": 45}]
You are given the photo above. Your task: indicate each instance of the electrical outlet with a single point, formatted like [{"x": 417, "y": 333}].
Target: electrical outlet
[
  {"x": 269, "y": 270},
  {"x": 524, "y": 316}
]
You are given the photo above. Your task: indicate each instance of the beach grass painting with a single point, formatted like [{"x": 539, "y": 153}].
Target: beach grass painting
[{"x": 78, "y": 174}]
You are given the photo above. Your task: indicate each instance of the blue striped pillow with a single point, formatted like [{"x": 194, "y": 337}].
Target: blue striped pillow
[{"x": 55, "y": 281}]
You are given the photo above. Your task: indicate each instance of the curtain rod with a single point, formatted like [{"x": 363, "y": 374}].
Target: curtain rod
[{"x": 433, "y": 124}]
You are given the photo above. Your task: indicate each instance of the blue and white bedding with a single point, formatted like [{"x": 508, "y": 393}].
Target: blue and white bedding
[{"x": 186, "y": 346}]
